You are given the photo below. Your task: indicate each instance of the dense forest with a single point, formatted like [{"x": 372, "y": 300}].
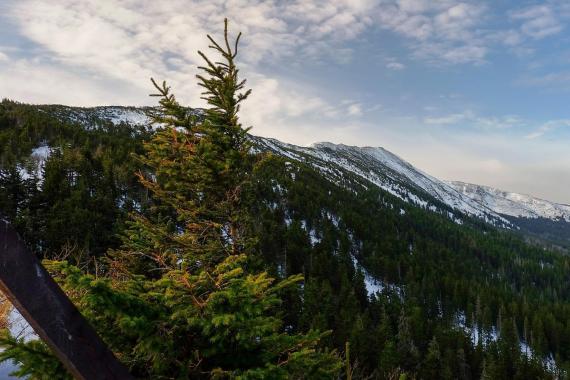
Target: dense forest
[{"x": 197, "y": 255}]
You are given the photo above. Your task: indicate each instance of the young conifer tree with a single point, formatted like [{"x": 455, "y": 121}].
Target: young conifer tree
[{"x": 178, "y": 300}]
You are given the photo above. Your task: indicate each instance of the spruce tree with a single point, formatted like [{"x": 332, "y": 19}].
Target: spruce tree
[
  {"x": 179, "y": 299},
  {"x": 432, "y": 362}
]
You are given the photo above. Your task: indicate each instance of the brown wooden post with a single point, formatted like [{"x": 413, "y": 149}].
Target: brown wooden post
[{"x": 52, "y": 315}]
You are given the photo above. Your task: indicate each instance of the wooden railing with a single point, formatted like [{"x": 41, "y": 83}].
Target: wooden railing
[{"x": 51, "y": 314}]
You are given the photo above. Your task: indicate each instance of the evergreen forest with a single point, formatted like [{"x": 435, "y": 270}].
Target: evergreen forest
[{"x": 197, "y": 254}]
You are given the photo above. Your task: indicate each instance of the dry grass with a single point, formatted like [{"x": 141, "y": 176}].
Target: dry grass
[{"x": 5, "y": 308}]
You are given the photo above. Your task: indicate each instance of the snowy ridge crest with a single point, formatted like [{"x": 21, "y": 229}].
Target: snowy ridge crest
[
  {"x": 513, "y": 204},
  {"x": 389, "y": 172}
]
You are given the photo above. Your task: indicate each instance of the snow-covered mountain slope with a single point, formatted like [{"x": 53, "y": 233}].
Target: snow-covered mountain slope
[
  {"x": 513, "y": 204},
  {"x": 95, "y": 117},
  {"x": 371, "y": 164},
  {"x": 389, "y": 172},
  {"x": 92, "y": 118}
]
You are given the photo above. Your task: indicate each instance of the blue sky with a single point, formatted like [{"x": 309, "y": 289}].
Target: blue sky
[{"x": 466, "y": 90}]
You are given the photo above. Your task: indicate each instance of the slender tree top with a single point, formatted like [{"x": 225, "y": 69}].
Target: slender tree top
[{"x": 223, "y": 90}]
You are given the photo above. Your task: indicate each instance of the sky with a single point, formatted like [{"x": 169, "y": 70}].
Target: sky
[{"x": 476, "y": 91}]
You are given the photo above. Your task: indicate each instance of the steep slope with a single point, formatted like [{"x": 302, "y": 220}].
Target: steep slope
[
  {"x": 392, "y": 174},
  {"x": 513, "y": 204},
  {"x": 371, "y": 164},
  {"x": 537, "y": 217}
]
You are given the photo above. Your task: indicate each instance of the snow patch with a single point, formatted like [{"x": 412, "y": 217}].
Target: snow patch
[
  {"x": 35, "y": 163},
  {"x": 374, "y": 285},
  {"x": 485, "y": 336}
]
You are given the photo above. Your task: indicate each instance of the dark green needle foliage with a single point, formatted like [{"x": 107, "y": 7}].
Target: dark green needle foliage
[
  {"x": 171, "y": 236},
  {"x": 178, "y": 299}
]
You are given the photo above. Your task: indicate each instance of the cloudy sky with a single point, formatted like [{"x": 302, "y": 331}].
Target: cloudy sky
[{"x": 466, "y": 90}]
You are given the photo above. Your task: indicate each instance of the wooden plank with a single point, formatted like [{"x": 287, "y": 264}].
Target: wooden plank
[{"x": 52, "y": 315}]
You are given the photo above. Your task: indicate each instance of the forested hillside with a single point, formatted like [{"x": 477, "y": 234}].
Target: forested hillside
[
  {"x": 414, "y": 293},
  {"x": 442, "y": 289}
]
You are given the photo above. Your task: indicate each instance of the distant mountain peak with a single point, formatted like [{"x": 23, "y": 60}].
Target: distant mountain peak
[
  {"x": 389, "y": 172},
  {"x": 513, "y": 204}
]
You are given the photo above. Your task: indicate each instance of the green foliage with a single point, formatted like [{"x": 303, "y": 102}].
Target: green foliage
[
  {"x": 35, "y": 360},
  {"x": 78, "y": 201},
  {"x": 189, "y": 252},
  {"x": 197, "y": 324},
  {"x": 449, "y": 271},
  {"x": 179, "y": 299}
]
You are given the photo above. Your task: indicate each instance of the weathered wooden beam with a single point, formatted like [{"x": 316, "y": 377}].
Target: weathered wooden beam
[{"x": 51, "y": 314}]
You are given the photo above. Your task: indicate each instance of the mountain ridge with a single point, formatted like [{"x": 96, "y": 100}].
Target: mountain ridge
[
  {"x": 137, "y": 115},
  {"x": 372, "y": 235},
  {"x": 380, "y": 167},
  {"x": 528, "y": 204}
]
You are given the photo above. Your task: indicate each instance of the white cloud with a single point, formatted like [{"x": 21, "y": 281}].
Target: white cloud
[
  {"x": 538, "y": 21},
  {"x": 503, "y": 122},
  {"x": 294, "y": 112},
  {"x": 124, "y": 42},
  {"x": 440, "y": 31},
  {"x": 446, "y": 120},
  {"x": 469, "y": 118},
  {"x": 132, "y": 41},
  {"x": 355, "y": 109},
  {"x": 548, "y": 127},
  {"x": 395, "y": 66},
  {"x": 37, "y": 82},
  {"x": 135, "y": 40},
  {"x": 3, "y": 57},
  {"x": 496, "y": 123},
  {"x": 552, "y": 79},
  {"x": 444, "y": 53},
  {"x": 508, "y": 37}
]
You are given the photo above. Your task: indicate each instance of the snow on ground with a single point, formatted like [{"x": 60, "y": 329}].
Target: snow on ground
[
  {"x": 334, "y": 219},
  {"x": 42, "y": 152},
  {"x": 96, "y": 117},
  {"x": 315, "y": 239},
  {"x": 476, "y": 333},
  {"x": 36, "y": 162},
  {"x": 389, "y": 172},
  {"x": 313, "y": 236},
  {"x": 118, "y": 115},
  {"x": 513, "y": 204},
  {"x": 374, "y": 285},
  {"x": 483, "y": 336}
]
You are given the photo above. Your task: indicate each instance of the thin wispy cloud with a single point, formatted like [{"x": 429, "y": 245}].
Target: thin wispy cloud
[
  {"x": 392, "y": 63},
  {"x": 539, "y": 21},
  {"x": 446, "y": 120},
  {"x": 477, "y": 121},
  {"x": 547, "y": 127}
]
